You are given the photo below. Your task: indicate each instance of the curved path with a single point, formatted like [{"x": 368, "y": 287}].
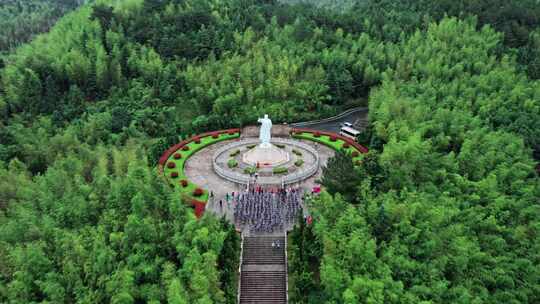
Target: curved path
[
  {"x": 198, "y": 169},
  {"x": 357, "y": 116}
]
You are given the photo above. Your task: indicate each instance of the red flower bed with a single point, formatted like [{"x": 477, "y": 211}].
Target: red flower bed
[
  {"x": 215, "y": 135},
  {"x": 346, "y": 146},
  {"x": 197, "y": 141},
  {"x": 232, "y": 132},
  {"x": 317, "y": 134},
  {"x": 177, "y": 155},
  {"x": 185, "y": 148},
  {"x": 198, "y": 192},
  {"x": 355, "y": 154},
  {"x": 171, "y": 165},
  {"x": 184, "y": 183},
  {"x": 333, "y": 138},
  {"x": 174, "y": 174}
]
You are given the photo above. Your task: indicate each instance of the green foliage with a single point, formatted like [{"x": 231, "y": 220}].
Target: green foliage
[
  {"x": 229, "y": 261},
  {"x": 280, "y": 170},
  {"x": 143, "y": 243},
  {"x": 444, "y": 211},
  {"x": 232, "y": 163},
  {"x": 304, "y": 253},
  {"x": 340, "y": 176},
  {"x": 21, "y": 20},
  {"x": 299, "y": 162},
  {"x": 250, "y": 170},
  {"x": 452, "y": 189}
]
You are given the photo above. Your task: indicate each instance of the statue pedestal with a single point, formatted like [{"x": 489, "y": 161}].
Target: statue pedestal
[{"x": 266, "y": 155}]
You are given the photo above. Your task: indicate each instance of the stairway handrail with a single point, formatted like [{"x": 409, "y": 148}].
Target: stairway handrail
[
  {"x": 240, "y": 267},
  {"x": 286, "y": 271}
]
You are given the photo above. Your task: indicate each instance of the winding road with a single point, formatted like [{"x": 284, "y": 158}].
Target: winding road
[{"x": 357, "y": 116}]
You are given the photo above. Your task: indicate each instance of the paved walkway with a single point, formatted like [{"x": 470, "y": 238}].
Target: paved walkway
[{"x": 198, "y": 169}]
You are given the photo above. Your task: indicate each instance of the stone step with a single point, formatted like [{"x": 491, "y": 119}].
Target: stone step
[{"x": 263, "y": 277}]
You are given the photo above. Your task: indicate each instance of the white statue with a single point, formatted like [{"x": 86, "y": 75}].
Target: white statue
[{"x": 266, "y": 127}]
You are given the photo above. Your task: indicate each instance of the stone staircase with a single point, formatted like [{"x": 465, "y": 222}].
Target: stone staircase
[{"x": 263, "y": 277}]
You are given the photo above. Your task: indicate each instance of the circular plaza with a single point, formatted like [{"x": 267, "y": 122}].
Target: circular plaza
[{"x": 208, "y": 168}]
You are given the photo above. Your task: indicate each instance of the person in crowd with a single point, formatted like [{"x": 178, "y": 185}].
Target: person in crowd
[{"x": 264, "y": 210}]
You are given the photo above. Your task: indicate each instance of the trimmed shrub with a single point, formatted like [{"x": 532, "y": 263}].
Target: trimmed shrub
[
  {"x": 333, "y": 138},
  {"x": 171, "y": 165},
  {"x": 234, "y": 153},
  {"x": 198, "y": 192},
  {"x": 355, "y": 154},
  {"x": 232, "y": 163},
  {"x": 280, "y": 170},
  {"x": 184, "y": 183},
  {"x": 281, "y": 146},
  {"x": 250, "y": 170},
  {"x": 249, "y": 147},
  {"x": 317, "y": 134},
  {"x": 346, "y": 146},
  {"x": 297, "y": 152},
  {"x": 299, "y": 162},
  {"x": 174, "y": 174},
  {"x": 185, "y": 148},
  {"x": 177, "y": 155}
]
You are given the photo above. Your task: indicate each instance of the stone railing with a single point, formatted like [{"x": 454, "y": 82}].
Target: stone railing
[
  {"x": 240, "y": 178},
  {"x": 240, "y": 267},
  {"x": 286, "y": 270}
]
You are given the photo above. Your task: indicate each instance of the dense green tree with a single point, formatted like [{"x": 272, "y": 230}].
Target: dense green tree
[{"x": 340, "y": 176}]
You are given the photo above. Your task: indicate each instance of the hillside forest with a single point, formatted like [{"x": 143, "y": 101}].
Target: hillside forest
[
  {"x": 445, "y": 207},
  {"x": 21, "y": 20}
]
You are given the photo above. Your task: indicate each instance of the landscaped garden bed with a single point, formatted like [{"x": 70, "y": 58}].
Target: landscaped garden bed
[
  {"x": 332, "y": 141},
  {"x": 173, "y": 161}
]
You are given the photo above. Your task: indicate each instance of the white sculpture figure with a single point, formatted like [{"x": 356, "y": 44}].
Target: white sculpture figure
[{"x": 264, "y": 135}]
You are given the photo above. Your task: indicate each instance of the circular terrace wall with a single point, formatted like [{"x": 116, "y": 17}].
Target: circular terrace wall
[{"x": 266, "y": 176}]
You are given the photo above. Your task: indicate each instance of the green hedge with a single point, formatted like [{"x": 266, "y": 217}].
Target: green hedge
[
  {"x": 232, "y": 163},
  {"x": 325, "y": 140},
  {"x": 280, "y": 170},
  {"x": 193, "y": 148},
  {"x": 250, "y": 170}
]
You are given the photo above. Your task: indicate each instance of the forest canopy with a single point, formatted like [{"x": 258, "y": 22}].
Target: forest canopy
[{"x": 444, "y": 208}]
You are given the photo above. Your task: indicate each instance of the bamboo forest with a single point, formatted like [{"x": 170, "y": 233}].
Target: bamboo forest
[{"x": 403, "y": 164}]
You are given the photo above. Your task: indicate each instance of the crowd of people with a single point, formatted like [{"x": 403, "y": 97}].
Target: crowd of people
[{"x": 267, "y": 210}]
